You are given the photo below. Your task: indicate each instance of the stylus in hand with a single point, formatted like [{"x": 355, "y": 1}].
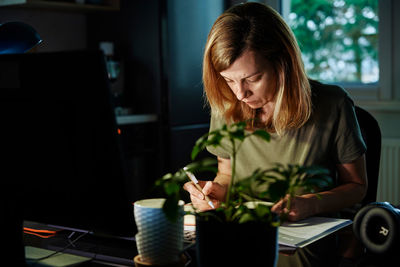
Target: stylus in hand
[{"x": 196, "y": 183}]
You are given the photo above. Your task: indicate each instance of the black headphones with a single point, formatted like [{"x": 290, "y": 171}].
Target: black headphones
[{"x": 377, "y": 226}]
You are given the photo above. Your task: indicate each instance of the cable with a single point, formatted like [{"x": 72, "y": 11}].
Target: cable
[
  {"x": 71, "y": 243},
  {"x": 40, "y": 233}
]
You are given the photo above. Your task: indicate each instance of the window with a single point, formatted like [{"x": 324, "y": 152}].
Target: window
[
  {"x": 385, "y": 93},
  {"x": 338, "y": 39},
  {"x": 385, "y": 88}
]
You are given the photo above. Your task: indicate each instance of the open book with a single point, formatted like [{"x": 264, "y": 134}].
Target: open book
[{"x": 301, "y": 233}]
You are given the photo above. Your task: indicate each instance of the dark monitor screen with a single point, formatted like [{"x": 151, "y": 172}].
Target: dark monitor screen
[{"x": 63, "y": 156}]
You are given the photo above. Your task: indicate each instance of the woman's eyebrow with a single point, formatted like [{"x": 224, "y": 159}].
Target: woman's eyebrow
[
  {"x": 248, "y": 76},
  {"x": 251, "y": 75},
  {"x": 224, "y": 77}
]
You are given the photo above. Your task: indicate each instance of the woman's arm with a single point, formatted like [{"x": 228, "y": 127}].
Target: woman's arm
[
  {"x": 224, "y": 172},
  {"x": 352, "y": 179},
  {"x": 215, "y": 190}
]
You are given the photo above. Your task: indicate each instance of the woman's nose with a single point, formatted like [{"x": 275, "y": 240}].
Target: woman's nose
[{"x": 241, "y": 92}]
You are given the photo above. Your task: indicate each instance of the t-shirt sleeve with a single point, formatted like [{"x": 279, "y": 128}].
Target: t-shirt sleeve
[
  {"x": 217, "y": 122},
  {"x": 349, "y": 143}
]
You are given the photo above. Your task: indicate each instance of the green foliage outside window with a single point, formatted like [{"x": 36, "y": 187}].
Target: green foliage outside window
[{"x": 338, "y": 38}]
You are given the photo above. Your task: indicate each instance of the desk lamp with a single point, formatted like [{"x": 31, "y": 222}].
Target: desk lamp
[{"x": 17, "y": 37}]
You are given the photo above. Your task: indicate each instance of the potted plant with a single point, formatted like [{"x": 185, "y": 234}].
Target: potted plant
[{"x": 243, "y": 229}]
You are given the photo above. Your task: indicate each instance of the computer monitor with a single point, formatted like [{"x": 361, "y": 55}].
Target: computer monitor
[{"x": 62, "y": 156}]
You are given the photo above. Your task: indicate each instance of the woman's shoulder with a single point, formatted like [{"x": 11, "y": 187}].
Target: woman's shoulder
[
  {"x": 328, "y": 94},
  {"x": 329, "y": 90},
  {"x": 217, "y": 120}
]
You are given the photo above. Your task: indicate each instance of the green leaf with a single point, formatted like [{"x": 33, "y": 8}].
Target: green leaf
[
  {"x": 167, "y": 176},
  {"x": 238, "y": 213},
  {"x": 247, "y": 217},
  {"x": 278, "y": 190},
  {"x": 228, "y": 212},
  {"x": 171, "y": 208},
  {"x": 214, "y": 139},
  {"x": 263, "y": 134},
  {"x": 239, "y": 134},
  {"x": 199, "y": 145},
  {"x": 206, "y": 164},
  {"x": 171, "y": 188},
  {"x": 262, "y": 210},
  {"x": 321, "y": 183},
  {"x": 195, "y": 151},
  {"x": 315, "y": 170}
]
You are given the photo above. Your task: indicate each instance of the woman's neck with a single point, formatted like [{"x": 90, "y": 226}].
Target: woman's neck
[{"x": 266, "y": 112}]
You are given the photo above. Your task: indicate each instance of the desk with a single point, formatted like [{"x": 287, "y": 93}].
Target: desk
[
  {"x": 99, "y": 251},
  {"x": 104, "y": 251},
  {"x": 93, "y": 250}
]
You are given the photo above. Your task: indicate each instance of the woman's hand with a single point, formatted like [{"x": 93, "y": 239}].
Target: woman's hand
[
  {"x": 213, "y": 190},
  {"x": 301, "y": 207},
  {"x": 351, "y": 189}
]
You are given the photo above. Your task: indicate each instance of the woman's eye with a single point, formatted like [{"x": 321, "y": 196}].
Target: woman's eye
[{"x": 253, "y": 79}]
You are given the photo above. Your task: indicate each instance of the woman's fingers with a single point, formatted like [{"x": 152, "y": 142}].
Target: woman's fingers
[
  {"x": 214, "y": 191},
  {"x": 299, "y": 208},
  {"x": 193, "y": 191},
  {"x": 208, "y": 188},
  {"x": 279, "y": 206}
]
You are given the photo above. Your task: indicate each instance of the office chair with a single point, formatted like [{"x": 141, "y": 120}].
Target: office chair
[{"x": 371, "y": 133}]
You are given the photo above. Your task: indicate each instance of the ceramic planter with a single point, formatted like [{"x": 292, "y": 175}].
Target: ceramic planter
[{"x": 159, "y": 241}]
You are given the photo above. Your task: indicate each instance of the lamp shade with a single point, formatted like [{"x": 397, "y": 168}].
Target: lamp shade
[{"x": 17, "y": 37}]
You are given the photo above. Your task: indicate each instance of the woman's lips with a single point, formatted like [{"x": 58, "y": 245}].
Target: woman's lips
[{"x": 249, "y": 102}]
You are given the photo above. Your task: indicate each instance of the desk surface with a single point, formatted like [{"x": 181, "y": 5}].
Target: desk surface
[
  {"x": 77, "y": 248},
  {"x": 100, "y": 251},
  {"x": 91, "y": 250}
]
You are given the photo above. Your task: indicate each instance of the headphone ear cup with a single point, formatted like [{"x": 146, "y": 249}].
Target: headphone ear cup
[
  {"x": 379, "y": 230},
  {"x": 359, "y": 218},
  {"x": 360, "y": 215}
]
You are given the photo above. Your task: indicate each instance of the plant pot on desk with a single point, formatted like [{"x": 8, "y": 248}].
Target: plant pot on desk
[
  {"x": 233, "y": 244},
  {"x": 159, "y": 240},
  {"x": 139, "y": 263}
]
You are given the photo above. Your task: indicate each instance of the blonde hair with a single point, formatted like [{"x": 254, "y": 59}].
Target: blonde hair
[{"x": 259, "y": 28}]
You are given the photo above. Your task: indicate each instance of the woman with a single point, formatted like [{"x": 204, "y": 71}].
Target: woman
[{"x": 252, "y": 69}]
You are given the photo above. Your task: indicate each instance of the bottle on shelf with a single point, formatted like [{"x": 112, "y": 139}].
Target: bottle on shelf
[{"x": 113, "y": 66}]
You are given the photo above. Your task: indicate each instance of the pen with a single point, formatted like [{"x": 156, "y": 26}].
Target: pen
[{"x": 196, "y": 183}]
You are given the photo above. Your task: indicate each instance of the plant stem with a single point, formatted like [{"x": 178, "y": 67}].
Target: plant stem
[
  {"x": 228, "y": 195},
  {"x": 289, "y": 202}
]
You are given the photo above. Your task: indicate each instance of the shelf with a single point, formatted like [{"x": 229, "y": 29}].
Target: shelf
[
  {"x": 135, "y": 119},
  {"x": 109, "y": 5}
]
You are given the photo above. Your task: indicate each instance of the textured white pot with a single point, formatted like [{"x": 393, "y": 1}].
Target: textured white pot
[{"x": 159, "y": 241}]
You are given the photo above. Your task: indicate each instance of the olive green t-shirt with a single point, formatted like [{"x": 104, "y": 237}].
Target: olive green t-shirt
[{"x": 331, "y": 136}]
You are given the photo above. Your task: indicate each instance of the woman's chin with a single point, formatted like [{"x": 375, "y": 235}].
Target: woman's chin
[{"x": 253, "y": 105}]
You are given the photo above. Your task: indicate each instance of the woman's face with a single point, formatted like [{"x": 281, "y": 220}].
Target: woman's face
[{"x": 250, "y": 78}]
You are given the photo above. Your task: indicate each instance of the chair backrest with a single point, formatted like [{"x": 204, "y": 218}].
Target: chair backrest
[{"x": 371, "y": 133}]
